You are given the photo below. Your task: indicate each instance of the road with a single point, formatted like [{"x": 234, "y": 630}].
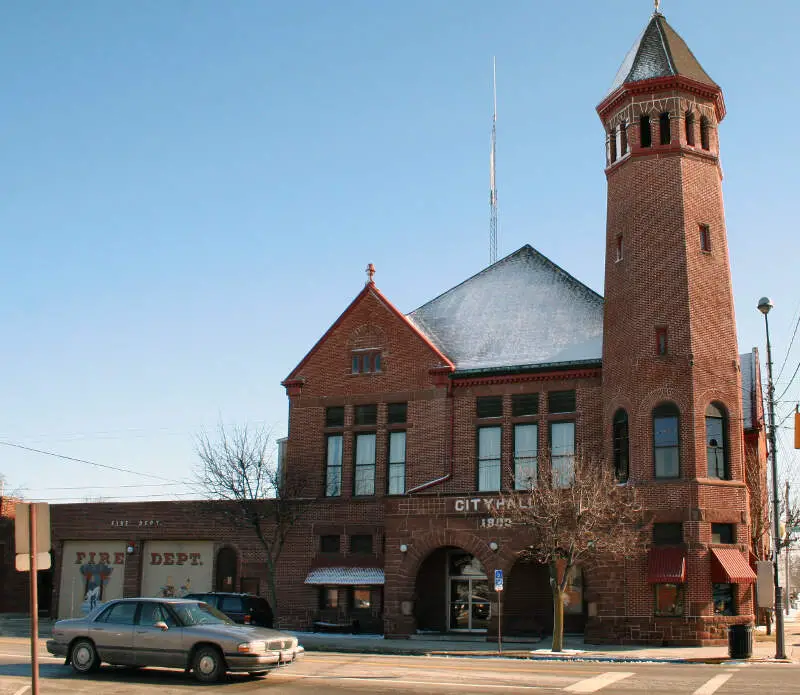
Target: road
[{"x": 367, "y": 674}]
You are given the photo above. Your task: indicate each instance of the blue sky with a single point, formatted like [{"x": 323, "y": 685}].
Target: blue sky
[{"x": 190, "y": 192}]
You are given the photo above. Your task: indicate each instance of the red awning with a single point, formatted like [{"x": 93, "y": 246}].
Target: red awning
[
  {"x": 729, "y": 566},
  {"x": 666, "y": 566}
]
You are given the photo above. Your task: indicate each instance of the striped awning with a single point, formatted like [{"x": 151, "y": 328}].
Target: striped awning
[
  {"x": 346, "y": 576},
  {"x": 666, "y": 566},
  {"x": 729, "y": 566}
]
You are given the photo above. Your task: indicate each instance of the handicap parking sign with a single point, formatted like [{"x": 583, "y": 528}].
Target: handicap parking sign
[{"x": 498, "y": 580}]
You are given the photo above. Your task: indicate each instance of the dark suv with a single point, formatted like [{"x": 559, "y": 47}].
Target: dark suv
[{"x": 246, "y": 609}]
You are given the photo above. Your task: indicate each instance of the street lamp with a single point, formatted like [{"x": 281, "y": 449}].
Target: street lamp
[{"x": 764, "y": 305}]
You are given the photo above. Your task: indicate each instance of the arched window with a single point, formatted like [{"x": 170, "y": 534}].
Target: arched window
[
  {"x": 623, "y": 139},
  {"x": 621, "y": 446},
  {"x": 612, "y": 145},
  {"x": 666, "y": 441},
  {"x": 716, "y": 442},
  {"x": 663, "y": 126},
  {"x": 689, "y": 123},
  {"x": 705, "y": 126},
  {"x": 645, "y": 136}
]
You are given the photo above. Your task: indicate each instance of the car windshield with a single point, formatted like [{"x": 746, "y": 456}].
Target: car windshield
[{"x": 200, "y": 614}]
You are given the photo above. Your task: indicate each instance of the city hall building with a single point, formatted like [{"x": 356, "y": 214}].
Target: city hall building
[{"x": 404, "y": 429}]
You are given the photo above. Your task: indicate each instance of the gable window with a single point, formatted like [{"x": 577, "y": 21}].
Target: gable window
[
  {"x": 716, "y": 438},
  {"x": 705, "y": 139},
  {"x": 705, "y": 238},
  {"x": 489, "y": 406},
  {"x": 663, "y": 126},
  {"x": 526, "y": 449},
  {"x": 612, "y": 146},
  {"x": 366, "y": 415},
  {"x": 619, "y": 248},
  {"x": 562, "y": 453},
  {"x": 334, "y": 417},
  {"x": 489, "y": 458},
  {"x": 329, "y": 543},
  {"x": 396, "y": 413},
  {"x": 366, "y": 361},
  {"x": 561, "y": 402},
  {"x": 523, "y": 404},
  {"x": 662, "y": 346},
  {"x": 361, "y": 543},
  {"x": 397, "y": 463},
  {"x": 623, "y": 139},
  {"x": 333, "y": 466},
  {"x": 722, "y": 533},
  {"x": 364, "y": 483},
  {"x": 621, "y": 446},
  {"x": 666, "y": 443},
  {"x": 668, "y": 533},
  {"x": 645, "y": 136},
  {"x": 689, "y": 124}
]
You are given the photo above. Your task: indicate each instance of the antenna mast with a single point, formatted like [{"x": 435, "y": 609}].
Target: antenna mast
[{"x": 492, "y": 182}]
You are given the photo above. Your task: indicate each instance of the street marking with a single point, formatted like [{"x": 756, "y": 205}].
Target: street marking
[
  {"x": 28, "y": 656},
  {"x": 23, "y": 689},
  {"x": 713, "y": 685},
  {"x": 592, "y": 685},
  {"x": 397, "y": 681}
]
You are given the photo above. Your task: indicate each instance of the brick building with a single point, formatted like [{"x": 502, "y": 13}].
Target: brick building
[{"x": 403, "y": 429}]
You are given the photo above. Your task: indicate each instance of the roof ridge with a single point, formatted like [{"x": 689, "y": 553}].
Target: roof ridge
[{"x": 673, "y": 68}]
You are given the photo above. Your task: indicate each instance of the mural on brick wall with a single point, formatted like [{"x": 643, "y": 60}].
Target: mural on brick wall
[
  {"x": 91, "y": 574},
  {"x": 176, "y": 568}
]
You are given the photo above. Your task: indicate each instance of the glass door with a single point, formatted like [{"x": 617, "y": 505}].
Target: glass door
[{"x": 469, "y": 606}]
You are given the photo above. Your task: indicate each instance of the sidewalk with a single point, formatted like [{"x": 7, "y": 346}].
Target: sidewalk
[{"x": 575, "y": 649}]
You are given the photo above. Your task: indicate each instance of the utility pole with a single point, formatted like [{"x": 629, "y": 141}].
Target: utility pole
[{"x": 786, "y": 561}]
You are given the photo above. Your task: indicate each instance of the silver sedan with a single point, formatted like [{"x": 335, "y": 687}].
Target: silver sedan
[{"x": 174, "y": 633}]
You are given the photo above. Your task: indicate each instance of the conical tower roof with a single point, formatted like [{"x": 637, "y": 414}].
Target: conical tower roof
[{"x": 659, "y": 52}]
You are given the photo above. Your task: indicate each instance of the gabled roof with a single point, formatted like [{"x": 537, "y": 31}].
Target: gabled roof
[
  {"x": 659, "y": 52},
  {"x": 523, "y": 311}
]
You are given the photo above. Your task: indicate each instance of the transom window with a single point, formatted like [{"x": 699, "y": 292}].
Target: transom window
[
  {"x": 334, "y": 417},
  {"x": 366, "y": 415},
  {"x": 366, "y": 361},
  {"x": 489, "y": 458},
  {"x": 396, "y": 413},
  {"x": 561, "y": 402},
  {"x": 489, "y": 406},
  {"x": 666, "y": 443},
  {"x": 523, "y": 404}
]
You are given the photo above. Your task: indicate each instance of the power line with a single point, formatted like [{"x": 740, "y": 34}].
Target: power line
[
  {"x": 791, "y": 342},
  {"x": 90, "y": 463}
]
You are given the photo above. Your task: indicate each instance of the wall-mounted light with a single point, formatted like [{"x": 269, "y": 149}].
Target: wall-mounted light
[
  {"x": 493, "y": 546},
  {"x": 131, "y": 549},
  {"x": 403, "y": 548}
]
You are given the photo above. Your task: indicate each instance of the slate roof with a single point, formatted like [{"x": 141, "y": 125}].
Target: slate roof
[
  {"x": 345, "y": 576},
  {"x": 523, "y": 311},
  {"x": 659, "y": 52}
]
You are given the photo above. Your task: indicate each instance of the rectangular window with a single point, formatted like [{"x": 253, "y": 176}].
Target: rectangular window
[
  {"x": 329, "y": 597},
  {"x": 361, "y": 543},
  {"x": 623, "y": 139},
  {"x": 663, "y": 123},
  {"x": 705, "y": 238},
  {"x": 525, "y": 404},
  {"x": 723, "y": 599},
  {"x": 356, "y": 364},
  {"x": 619, "y": 248},
  {"x": 662, "y": 346},
  {"x": 526, "y": 449},
  {"x": 669, "y": 599},
  {"x": 396, "y": 413},
  {"x": 366, "y": 361},
  {"x": 397, "y": 463},
  {"x": 645, "y": 136},
  {"x": 612, "y": 146},
  {"x": 722, "y": 533},
  {"x": 665, "y": 438},
  {"x": 364, "y": 483},
  {"x": 690, "y": 128},
  {"x": 361, "y": 598},
  {"x": 668, "y": 534},
  {"x": 366, "y": 415},
  {"x": 334, "y": 417},
  {"x": 489, "y": 458},
  {"x": 705, "y": 138},
  {"x": 329, "y": 543},
  {"x": 561, "y": 402},
  {"x": 333, "y": 466},
  {"x": 562, "y": 453},
  {"x": 489, "y": 406}
]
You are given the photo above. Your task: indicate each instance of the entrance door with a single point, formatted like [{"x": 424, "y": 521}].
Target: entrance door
[{"x": 468, "y": 601}]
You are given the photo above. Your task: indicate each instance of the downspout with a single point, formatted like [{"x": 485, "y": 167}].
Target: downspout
[{"x": 449, "y": 474}]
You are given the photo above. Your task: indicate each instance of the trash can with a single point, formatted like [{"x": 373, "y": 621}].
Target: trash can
[{"x": 740, "y": 641}]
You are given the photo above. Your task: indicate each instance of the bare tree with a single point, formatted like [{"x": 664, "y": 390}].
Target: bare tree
[
  {"x": 571, "y": 517},
  {"x": 238, "y": 465}
]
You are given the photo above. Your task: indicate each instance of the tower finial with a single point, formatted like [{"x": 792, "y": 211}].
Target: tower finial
[
  {"x": 657, "y": 4},
  {"x": 370, "y": 274}
]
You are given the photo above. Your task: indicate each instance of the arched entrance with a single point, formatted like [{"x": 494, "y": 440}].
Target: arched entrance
[
  {"x": 452, "y": 593},
  {"x": 226, "y": 570}
]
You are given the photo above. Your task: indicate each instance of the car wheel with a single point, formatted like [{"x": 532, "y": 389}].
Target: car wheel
[
  {"x": 208, "y": 665},
  {"x": 83, "y": 656}
]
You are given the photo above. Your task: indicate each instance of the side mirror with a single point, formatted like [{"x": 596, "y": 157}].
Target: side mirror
[{"x": 161, "y": 624}]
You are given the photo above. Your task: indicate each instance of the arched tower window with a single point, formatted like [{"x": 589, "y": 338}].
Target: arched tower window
[
  {"x": 612, "y": 145},
  {"x": 716, "y": 442},
  {"x": 705, "y": 127},
  {"x": 689, "y": 125},
  {"x": 623, "y": 139},
  {"x": 666, "y": 441},
  {"x": 645, "y": 136},
  {"x": 621, "y": 446},
  {"x": 663, "y": 126}
]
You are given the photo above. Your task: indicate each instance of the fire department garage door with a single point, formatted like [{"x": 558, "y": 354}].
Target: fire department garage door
[
  {"x": 91, "y": 573},
  {"x": 176, "y": 568}
]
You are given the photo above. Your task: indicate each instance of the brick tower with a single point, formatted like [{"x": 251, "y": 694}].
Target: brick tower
[{"x": 671, "y": 382}]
